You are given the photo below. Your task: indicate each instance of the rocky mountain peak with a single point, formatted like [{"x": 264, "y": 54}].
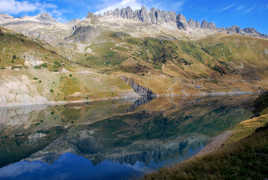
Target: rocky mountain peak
[
  {"x": 246, "y": 31},
  {"x": 45, "y": 17},
  {"x": 181, "y": 22},
  {"x": 5, "y": 18},
  {"x": 193, "y": 24},
  {"x": 250, "y": 30},
  {"x": 153, "y": 16},
  {"x": 157, "y": 16},
  {"x": 208, "y": 25},
  {"x": 233, "y": 29}
]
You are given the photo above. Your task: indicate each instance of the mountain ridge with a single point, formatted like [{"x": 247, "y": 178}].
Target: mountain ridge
[
  {"x": 157, "y": 16},
  {"x": 144, "y": 16}
]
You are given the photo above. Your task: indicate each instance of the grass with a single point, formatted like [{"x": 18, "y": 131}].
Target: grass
[
  {"x": 69, "y": 85},
  {"x": 14, "y": 49},
  {"x": 210, "y": 57},
  {"x": 105, "y": 54},
  {"x": 153, "y": 62},
  {"x": 260, "y": 118}
]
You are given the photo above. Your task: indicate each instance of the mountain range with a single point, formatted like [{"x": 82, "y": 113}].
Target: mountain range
[
  {"x": 156, "y": 16},
  {"x": 126, "y": 53}
]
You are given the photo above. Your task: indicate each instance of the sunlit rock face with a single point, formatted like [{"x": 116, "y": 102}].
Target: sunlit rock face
[
  {"x": 156, "y": 16},
  {"x": 19, "y": 90},
  {"x": 153, "y": 16}
]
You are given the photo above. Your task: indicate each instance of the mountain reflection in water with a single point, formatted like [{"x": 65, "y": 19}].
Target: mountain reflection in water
[{"x": 113, "y": 139}]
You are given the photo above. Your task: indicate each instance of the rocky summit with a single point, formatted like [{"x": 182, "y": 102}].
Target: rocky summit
[{"x": 156, "y": 16}]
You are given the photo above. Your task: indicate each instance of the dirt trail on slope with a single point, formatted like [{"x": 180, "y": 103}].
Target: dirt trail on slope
[{"x": 215, "y": 144}]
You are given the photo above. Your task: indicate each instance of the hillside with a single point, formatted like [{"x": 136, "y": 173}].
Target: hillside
[
  {"x": 92, "y": 58},
  {"x": 33, "y": 73}
]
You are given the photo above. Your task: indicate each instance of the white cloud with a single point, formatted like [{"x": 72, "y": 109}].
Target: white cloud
[
  {"x": 226, "y": 8},
  {"x": 17, "y": 7},
  {"x": 250, "y": 9},
  {"x": 239, "y": 8},
  {"x": 122, "y": 4}
]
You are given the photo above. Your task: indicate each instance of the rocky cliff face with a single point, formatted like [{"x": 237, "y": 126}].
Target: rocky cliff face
[
  {"x": 83, "y": 33},
  {"x": 45, "y": 18},
  {"x": 194, "y": 24},
  {"x": 156, "y": 16},
  {"x": 181, "y": 22},
  {"x": 140, "y": 90},
  {"x": 246, "y": 31}
]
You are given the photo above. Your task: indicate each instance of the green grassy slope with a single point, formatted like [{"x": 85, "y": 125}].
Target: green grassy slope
[
  {"x": 42, "y": 72},
  {"x": 215, "y": 64},
  {"x": 15, "y": 48},
  {"x": 220, "y": 61}
]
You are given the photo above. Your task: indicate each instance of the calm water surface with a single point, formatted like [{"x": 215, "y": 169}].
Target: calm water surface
[{"x": 121, "y": 139}]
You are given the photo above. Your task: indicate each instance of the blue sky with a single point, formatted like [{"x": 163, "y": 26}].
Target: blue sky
[{"x": 245, "y": 13}]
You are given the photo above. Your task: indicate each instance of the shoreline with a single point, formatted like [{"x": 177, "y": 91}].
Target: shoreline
[
  {"x": 215, "y": 144},
  {"x": 55, "y": 103}
]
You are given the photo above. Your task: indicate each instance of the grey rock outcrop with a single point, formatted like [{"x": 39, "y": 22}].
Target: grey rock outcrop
[
  {"x": 250, "y": 30},
  {"x": 143, "y": 15},
  {"x": 212, "y": 26},
  {"x": 246, "y": 31},
  {"x": 233, "y": 29},
  {"x": 193, "y": 24},
  {"x": 154, "y": 16},
  {"x": 204, "y": 24},
  {"x": 208, "y": 25},
  {"x": 182, "y": 22},
  {"x": 83, "y": 33},
  {"x": 45, "y": 17},
  {"x": 140, "y": 90}
]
